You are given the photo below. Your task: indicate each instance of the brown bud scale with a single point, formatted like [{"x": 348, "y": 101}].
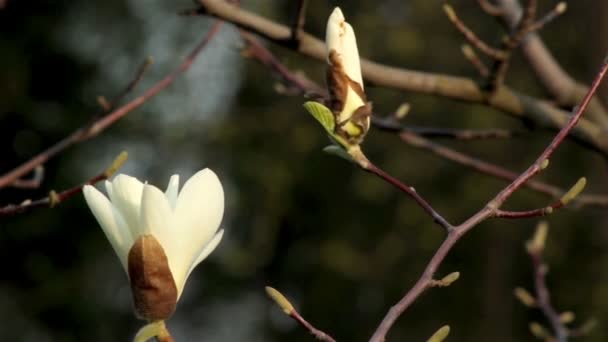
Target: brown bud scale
[{"x": 152, "y": 285}]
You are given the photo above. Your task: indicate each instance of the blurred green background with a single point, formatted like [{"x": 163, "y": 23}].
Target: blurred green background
[{"x": 343, "y": 245}]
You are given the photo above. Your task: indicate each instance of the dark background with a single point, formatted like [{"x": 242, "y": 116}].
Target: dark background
[{"x": 343, "y": 245}]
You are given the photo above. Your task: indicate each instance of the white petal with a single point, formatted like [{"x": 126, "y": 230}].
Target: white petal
[
  {"x": 172, "y": 190},
  {"x": 340, "y": 36},
  {"x": 156, "y": 215},
  {"x": 108, "y": 185},
  {"x": 111, "y": 222},
  {"x": 208, "y": 249},
  {"x": 126, "y": 197},
  {"x": 334, "y": 31},
  {"x": 350, "y": 55},
  {"x": 198, "y": 214}
]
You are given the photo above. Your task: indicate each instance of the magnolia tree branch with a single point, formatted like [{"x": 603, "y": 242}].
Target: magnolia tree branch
[
  {"x": 288, "y": 309},
  {"x": 416, "y": 140},
  {"x": 55, "y": 198},
  {"x": 562, "y": 87},
  {"x": 541, "y": 113},
  {"x": 489, "y": 210},
  {"x": 101, "y": 123},
  {"x": 414, "y": 135}
]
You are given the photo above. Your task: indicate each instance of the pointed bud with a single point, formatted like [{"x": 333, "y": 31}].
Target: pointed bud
[
  {"x": 567, "y": 317},
  {"x": 440, "y": 335},
  {"x": 574, "y": 191},
  {"x": 152, "y": 285},
  {"x": 280, "y": 300},
  {"x": 537, "y": 243},
  {"x": 450, "y": 278},
  {"x": 347, "y": 102},
  {"x": 524, "y": 297},
  {"x": 539, "y": 331}
]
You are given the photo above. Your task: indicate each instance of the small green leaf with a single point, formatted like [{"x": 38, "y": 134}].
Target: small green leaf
[
  {"x": 322, "y": 114},
  {"x": 338, "y": 151}
]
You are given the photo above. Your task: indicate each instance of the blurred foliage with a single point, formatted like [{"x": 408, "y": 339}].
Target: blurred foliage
[{"x": 342, "y": 245}]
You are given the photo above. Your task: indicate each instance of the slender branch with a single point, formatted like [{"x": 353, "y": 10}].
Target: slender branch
[
  {"x": 528, "y": 213},
  {"x": 92, "y": 129},
  {"x": 538, "y": 112},
  {"x": 298, "y": 23},
  {"x": 32, "y": 183},
  {"x": 542, "y": 300},
  {"x": 50, "y": 201},
  {"x": 55, "y": 198},
  {"x": 318, "y": 334},
  {"x": 493, "y": 170},
  {"x": 471, "y": 37},
  {"x": 139, "y": 75},
  {"x": 291, "y": 311},
  {"x": 487, "y": 211},
  {"x": 473, "y": 58},
  {"x": 489, "y": 8},
  {"x": 391, "y": 125},
  {"x": 565, "y": 89},
  {"x": 410, "y": 191}
]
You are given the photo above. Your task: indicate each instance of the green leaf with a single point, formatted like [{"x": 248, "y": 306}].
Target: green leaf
[
  {"x": 322, "y": 114},
  {"x": 338, "y": 151}
]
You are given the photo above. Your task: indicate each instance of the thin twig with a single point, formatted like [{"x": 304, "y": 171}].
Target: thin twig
[
  {"x": 543, "y": 300},
  {"x": 299, "y": 20},
  {"x": 473, "y": 58},
  {"x": 410, "y": 191},
  {"x": 50, "y": 201},
  {"x": 139, "y": 75},
  {"x": 489, "y": 8},
  {"x": 391, "y": 125},
  {"x": 32, "y": 183},
  {"x": 487, "y": 211},
  {"x": 471, "y": 37},
  {"x": 55, "y": 198},
  {"x": 318, "y": 334},
  {"x": 90, "y": 130},
  {"x": 494, "y": 170}
]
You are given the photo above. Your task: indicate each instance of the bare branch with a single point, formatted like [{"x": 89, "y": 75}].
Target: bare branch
[
  {"x": 99, "y": 124},
  {"x": 488, "y": 211},
  {"x": 566, "y": 90},
  {"x": 541, "y": 113}
]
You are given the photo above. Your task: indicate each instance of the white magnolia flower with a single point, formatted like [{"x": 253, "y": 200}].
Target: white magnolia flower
[
  {"x": 347, "y": 97},
  {"x": 160, "y": 237}
]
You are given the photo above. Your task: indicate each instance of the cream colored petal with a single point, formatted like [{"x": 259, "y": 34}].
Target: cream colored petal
[
  {"x": 352, "y": 102},
  {"x": 108, "y": 185},
  {"x": 111, "y": 222},
  {"x": 350, "y": 55},
  {"x": 340, "y": 37},
  {"x": 126, "y": 197},
  {"x": 198, "y": 213},
  {"x": 172, "y": 191},
  {"x": 156, "y": 215},
  {"x": 208, "y": 249},
  {"x": 334, "y": 31}
]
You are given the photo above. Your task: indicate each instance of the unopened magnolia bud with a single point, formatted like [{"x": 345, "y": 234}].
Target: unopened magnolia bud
[
  {"x": 567, "y": 317},
  {"x": 281, "y": 301},
  {"x": 440, "y": 335},
  {"x": 538, "y": 331},
  {"x": 152, "y": 285},
  {"x": 524, "y": 297}
]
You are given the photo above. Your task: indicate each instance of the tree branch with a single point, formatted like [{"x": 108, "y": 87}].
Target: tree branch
[
  {"x": 541, "y": 113},
  {"x": 99, "y": 124},
  {"x": 566, "y": 90},
  {"x": 489, "y": 210}
]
